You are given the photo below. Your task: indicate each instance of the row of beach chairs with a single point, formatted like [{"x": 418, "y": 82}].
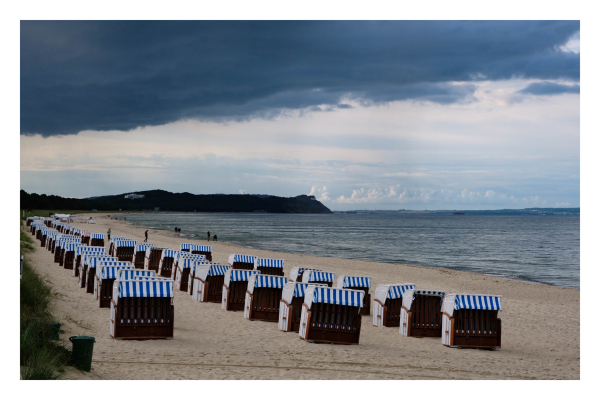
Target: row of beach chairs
[{"x": 311, "y": 302}]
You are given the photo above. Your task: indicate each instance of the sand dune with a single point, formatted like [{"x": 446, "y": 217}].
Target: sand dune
[{"x": 540, "y": 329}]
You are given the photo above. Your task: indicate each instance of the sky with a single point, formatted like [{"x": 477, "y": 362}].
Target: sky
[{"x": 363, "y": 115}]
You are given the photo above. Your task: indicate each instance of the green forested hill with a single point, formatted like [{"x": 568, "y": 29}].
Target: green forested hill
[{"x": 167, "y": 201}]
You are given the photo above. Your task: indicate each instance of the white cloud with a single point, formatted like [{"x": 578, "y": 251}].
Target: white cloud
[
  {"x": 562, "y": 204},
  {"x": 490, "y": 193},
  {"x": 319, "y": 193}
]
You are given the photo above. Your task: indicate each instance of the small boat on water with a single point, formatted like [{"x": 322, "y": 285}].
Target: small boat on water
[{"x": 459, "y": 213}]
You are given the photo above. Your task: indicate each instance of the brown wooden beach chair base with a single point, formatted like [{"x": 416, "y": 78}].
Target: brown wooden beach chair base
[
  {"x": 138, "y": 261},
  {"x": 391, "y": 312},
  {"x": 185, "y": 279},
  {"x": 236, "y": 295},
  {"x": 213, "y": 292},
  {"x": 82, "y": 276},
  {"x": 125, "y": 253},
  {"x": 43, "y": 241},
  {"x": 86, "y": 240},
  {"x": 69, "y": 259},
  {"x": 105, "y": 291},
  {"x": 473, "y": 329},
  {"x": 425, "y": 319},
  {"x": 154, "y": 260},
  {"x": 143, "y": 318},
  {"x": 166, "y": 269},
  {"x": 334, "y": 324},
  {"x": 265, "y": 304},
  {"x": 89, "y": 284},
  {"x": 97, "y": 242}
]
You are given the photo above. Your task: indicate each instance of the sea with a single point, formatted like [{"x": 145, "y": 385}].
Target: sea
[{"x": 539, "y": 249}]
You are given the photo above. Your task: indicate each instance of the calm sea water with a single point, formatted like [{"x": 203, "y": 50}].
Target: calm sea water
[{"x": 543, "y": 249}]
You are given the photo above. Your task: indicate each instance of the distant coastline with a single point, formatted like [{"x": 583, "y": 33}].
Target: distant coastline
[{"x": 521, "y": 211}]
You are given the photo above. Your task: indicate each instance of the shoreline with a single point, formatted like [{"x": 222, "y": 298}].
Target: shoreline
[
  {"x": 210, "y": 343},
  {"x": 241, "y": 246}
]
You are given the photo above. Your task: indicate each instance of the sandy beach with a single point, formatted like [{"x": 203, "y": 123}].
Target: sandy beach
[{"x": 540, "y": 329}]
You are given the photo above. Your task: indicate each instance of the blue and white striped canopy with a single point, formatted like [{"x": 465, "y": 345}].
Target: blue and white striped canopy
[
  {"x": 300, "y": 289},
  {"x": 114, "y": 264},
  {"x": 117, "y": 238},
  {"x": 72, "y": 246},
  {"x": 125, "y": 243},
  {"x": 216, "y": 270},
  {"x": 127, "y": 274},
  {"x": 342, "y": 297},
  {"x": 199, "y": 247},
  {"x": 477, "y": 302},
  {"x": 97, "y": 236},
  {"x": 318, "y": 276},
  {"x": 89, "y": 249},
  {"x": 76, "y": 230},
  {"x": 396, "y": 291},
  {"x": 185, "y": 246},
  {"x": 186, "y": 263},
  {"x": 202, "y": 264},
  {"x": 168, "y": 253},
  {"x": 357, "y": 281},
  {"x": 268, "y": 262},
  {"x": 139, "y": 288},
  {"x": 244, "y": 259},
  {"x": 94, "y": 261},
  {"x": 238, "y": 275},
  {"x": 112, "y": 272},
  {"x": 143, "y": 247},
  {"x": 269, "y": 281}
]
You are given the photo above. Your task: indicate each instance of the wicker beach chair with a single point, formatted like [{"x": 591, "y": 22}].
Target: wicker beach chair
[
  {"x": 87, "y": 270},
  {"x": 106, "y": 273},
  {"x": 142, "y": 309},
  {"x": 165, "y": 267},
  {"x": 326, "y": 278},
  {"x": 331, "y": 315},
  {"x": 421, "y": 313},
  {"x": 268, "y": 266},
  {"x": 97, "y": 239},
  {"x": 471, "y": 321},
  {"x": 153, "y": 256},
  {"x": 124, "y": 249},
  {"x": 208, "y": 283},
  {"x": 197, "y": 265},
  {"x": 139, "y": 254},
  {"x": 357, "y": 283},
  {"x": 388, "y": 302},
  {"x": 235, "y": 285},
  {"x": 185, "y": 247},
  {"x": 263, "y": 297},
  {"x": 240, "y": 261},
  {"x": 182, "y": 269},
  {"x": 82, "y": 252},
  {"x": 111, "y": 246},
  {"x": 290, "y": 309}
]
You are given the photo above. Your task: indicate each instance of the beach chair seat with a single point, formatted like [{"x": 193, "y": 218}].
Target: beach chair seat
[
  {"x": 331, "y": 315},
  {"x": 421, "y": 313},
  {"x": 357, "y": 283},
  {"x": 263, "y": 297},
  {"x": 139, "y": 254},
  {"x": 235, "y": 285},
  {"x": 142, "y": 309},
  {"x": 208, "y": 283},
  {"x": 124, "y": 249},
  {"x": 325, "y": 278},
  {"x": 387, "y": 304},
  {"x": 240, "y": 261},
  {"x": 471, "y": 321}
]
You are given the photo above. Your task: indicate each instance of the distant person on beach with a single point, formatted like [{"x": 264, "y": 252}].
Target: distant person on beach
[
  {"x": 215, "y": 238},
  {"x": 146, "y": 234},
  {"x": 208, "y": 234},
  {"x": 108, "y": 234}
]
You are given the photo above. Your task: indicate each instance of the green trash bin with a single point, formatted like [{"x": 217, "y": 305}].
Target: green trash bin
[
  {"x": 55, "y": 330},
  {"x": 83, "y": 348}
]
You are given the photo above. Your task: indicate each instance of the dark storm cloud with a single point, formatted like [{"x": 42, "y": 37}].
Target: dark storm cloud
[
  {"x": 549, "y": 89},
  {"x": 107, "y": 75}
]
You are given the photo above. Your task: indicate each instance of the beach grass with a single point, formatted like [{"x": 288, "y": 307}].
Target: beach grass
[{"x": 41, "y": 358}]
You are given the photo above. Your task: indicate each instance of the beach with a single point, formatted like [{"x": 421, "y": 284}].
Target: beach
[{"x": 540, "y": 328}]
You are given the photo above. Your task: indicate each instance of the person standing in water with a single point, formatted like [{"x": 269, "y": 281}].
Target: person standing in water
[
  {"x": 146, "y": 234},
  {"x": 208, "y": 234}
]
